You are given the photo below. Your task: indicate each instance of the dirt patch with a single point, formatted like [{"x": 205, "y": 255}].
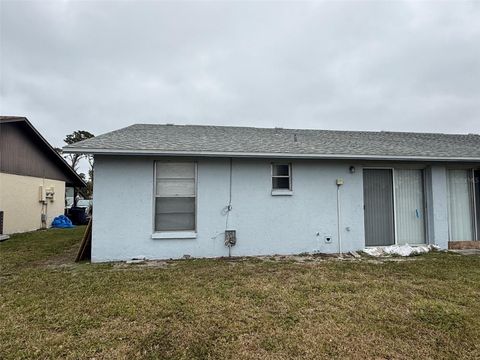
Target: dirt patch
[
  {"x": 65, "y": 259},
  {"x": 467, "y": 252},
  {"x": 144, "y": 264}
]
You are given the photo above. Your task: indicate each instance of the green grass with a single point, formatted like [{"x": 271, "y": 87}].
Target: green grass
[{"x": 427, "y": 307}]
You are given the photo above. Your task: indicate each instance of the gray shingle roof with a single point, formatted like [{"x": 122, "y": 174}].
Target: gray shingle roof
[{"x": 263, "y": 142}]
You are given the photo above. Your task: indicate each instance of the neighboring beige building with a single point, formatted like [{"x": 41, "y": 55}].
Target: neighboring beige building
[{"x": 33, "y": 177}]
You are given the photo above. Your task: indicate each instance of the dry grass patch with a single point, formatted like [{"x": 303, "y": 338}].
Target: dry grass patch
[{"x": 249, "y": 309}]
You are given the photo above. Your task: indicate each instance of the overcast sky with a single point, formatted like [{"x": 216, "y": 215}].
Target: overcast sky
[{"x": 99, "y": 66}]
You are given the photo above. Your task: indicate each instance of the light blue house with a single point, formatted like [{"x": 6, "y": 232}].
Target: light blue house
[{"x": 166, "y": 191}]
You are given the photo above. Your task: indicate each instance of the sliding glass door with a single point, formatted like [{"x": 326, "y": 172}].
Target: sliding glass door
[
  {"x": 409, "y": 205},
  {"x": 461, "y": 205},
  {"x": 394, "y": 206},
  {"x": 378, "y": 207}
]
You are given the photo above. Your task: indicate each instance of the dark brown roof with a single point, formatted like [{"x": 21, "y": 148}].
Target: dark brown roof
[{"x": 73, "y": 178}]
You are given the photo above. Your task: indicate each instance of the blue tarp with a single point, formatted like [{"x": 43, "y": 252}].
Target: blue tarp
[{"x": 62, "y": 222}]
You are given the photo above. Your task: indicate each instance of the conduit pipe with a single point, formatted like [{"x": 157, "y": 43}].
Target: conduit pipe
[{"x": 339, "y": 183}]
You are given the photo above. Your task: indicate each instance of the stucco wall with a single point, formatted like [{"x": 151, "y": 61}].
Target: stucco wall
[
  {"x": 19, "y": 200},
  {"x": 265, "y": 224}
]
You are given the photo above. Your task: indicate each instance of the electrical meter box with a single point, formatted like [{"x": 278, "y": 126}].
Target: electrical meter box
[{"x": 230, "y": 237}]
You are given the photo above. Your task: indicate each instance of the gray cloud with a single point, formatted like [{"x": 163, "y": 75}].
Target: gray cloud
[{"x": 363, "y": 66}]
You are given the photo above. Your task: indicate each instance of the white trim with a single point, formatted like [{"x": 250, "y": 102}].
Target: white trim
[
  {"x": 474, "y": 203},
  {"x": 260, "y": 155},
  {"x": 174, "y": 235},
  {"x": 279, "y": 192}
]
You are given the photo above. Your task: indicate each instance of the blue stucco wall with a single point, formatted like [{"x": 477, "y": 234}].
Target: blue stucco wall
[{"x": 265, "y": 224}]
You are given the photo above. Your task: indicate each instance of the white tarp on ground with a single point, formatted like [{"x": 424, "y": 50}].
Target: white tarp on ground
[{"x": 400, "y": 250}]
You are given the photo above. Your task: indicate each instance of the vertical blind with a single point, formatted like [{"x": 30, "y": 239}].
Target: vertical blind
[
  {"x": 477, "y": 200},
  {"x": 460, "y": 205},
  {"x": 409, "y": 202},
  {"x": 175, "y": 193},
  {"x": 378, "y": 207}
]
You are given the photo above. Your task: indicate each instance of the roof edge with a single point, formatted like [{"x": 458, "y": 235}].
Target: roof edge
[
  {"x": 73, "y": 173},
  {"x": 264, "y": 155}
]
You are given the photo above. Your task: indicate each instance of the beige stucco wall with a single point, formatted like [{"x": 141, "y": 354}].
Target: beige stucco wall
[{"x": 20, "y": 202}]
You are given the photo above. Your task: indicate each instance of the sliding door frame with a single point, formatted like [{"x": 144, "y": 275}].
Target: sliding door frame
[
  {"x": 395, "y": 232},
  {"x": 393, "y": 201},
  {"x": 473, "y": 202}
]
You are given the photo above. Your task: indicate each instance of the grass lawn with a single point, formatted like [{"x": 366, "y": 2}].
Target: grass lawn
[{"x": 427, "y": 307}]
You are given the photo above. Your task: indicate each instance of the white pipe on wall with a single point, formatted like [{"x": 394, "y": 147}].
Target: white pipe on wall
[{"x": 339, "y": 235}]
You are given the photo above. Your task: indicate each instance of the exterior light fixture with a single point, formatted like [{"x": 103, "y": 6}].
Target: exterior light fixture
[{"x": 352, "y": 169}]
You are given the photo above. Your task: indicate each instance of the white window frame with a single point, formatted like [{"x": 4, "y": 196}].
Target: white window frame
[
  {"x": 177, "y": 234},
  {"x": 279, "y": 192}
]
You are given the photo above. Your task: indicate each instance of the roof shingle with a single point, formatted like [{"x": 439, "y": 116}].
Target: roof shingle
[{"x": 218, "y": 140}]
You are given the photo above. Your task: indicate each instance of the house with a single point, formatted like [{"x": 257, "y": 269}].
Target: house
[
  {"x": 33, "y": 177},
  {"x": 166, "y": 191}
]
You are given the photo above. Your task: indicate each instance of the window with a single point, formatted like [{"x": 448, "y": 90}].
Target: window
[
  {"x": 281, "y": 176},
  {"x": 175, "y": 196}
]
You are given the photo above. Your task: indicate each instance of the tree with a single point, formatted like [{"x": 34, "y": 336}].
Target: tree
[
  {"x": 74, "y": 159},
  {"x": 73, "y": 138},
  {"x": 89, "y": 188}
]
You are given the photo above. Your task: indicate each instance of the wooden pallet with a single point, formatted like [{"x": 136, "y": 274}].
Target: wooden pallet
[{"x": 84, "y": 252}]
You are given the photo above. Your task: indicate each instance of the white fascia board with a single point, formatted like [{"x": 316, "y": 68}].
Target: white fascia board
[{"x": 264, "y": 155}]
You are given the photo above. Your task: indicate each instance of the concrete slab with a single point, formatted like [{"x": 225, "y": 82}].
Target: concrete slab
[{"x": 4, "y": 237}]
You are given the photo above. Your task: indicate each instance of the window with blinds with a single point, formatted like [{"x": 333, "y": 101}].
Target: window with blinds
[{"x": 175, "y": 196}]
